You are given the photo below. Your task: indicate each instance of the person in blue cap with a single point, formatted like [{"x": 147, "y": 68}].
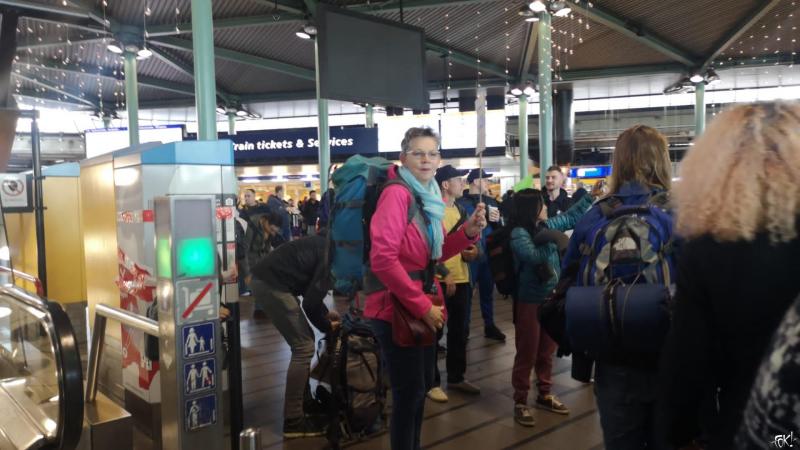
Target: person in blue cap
[{"x": 480, "y": 274}]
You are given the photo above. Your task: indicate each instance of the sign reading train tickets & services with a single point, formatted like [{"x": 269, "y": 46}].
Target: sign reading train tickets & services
[{"x": 302, "y": 142}]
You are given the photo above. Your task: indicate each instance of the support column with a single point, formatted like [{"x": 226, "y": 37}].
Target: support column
[
  {"x": 231, "y": 124},
  {"x": 699, "y": 109},
  {"x": 370, "y": 116},
  {"x": 323, "y": 132},
  {"x": 523, "y": 136},
  {"x": 41, "y": 254},
  {"x": 204, "y": 78},
  {"x": 106, "y": 122},
  {"x": 132, "y": 98},
  {"x": 545, "y": 95}
]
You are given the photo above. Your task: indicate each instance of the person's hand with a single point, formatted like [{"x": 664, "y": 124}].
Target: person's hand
[
  {"x": 494, "y": 214},
  {"x": 450, "y": 286},
  {"x": 224, "y": 313},
  {"x": 434, "y": 318},
  {"x": 470, "y": 253},
  {"x": 476, "y": 222},
  {"x": 247, "y": 280}
]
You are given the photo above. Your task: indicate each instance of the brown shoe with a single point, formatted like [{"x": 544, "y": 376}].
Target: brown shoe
[{"x": 551, "y": 403}]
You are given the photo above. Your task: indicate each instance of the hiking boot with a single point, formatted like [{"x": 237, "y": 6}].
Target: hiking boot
[
  {"x": 551, "y": 403},
  {"x": 523, "y": 416},
  {"x": 259, "y": 315},
  {"x": 492, "y": 332},
  {"x": 465, "y": 386},
  {"x": 438, "y": 395},
  {"x": 302, "y": 427}
]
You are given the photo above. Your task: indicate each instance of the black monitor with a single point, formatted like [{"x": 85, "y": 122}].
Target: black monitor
[{"x": 363, "y": 59}]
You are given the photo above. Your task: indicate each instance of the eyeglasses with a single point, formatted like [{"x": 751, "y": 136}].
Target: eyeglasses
[{"x": 430, "y": 155}]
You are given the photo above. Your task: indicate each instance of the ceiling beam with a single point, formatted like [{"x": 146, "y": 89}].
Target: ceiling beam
[
  {"x": 410, "y": 5},
  {"x": 466, "y": 59},
  {"x": 750, "y": 19},
  {"x": 638, "y": 33},
  {"x": 283, "y": 5},
  {"x": 94, "y": 72},
  {"x": 55, "y": 43},
  {"x": 221, "y": 24},
  {"x": 527, "y": 52},
  {"x": 25, "y": 7},
  {"x": 52, "y": 87},
  {"x": 239, "y": 57},
  {"x": 185, "y": 68}
]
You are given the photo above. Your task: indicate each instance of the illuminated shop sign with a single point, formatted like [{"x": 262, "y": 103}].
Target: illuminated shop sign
[{"x": 300, "y": 142}]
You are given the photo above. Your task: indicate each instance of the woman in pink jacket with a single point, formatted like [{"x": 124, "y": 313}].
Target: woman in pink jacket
[{"x": 400, "y": 253}]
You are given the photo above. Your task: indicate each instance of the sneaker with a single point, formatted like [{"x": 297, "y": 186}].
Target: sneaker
[
  {"x": 465, "y": 386},
  {"x": 441, "y": 349},
  {"x": 438, "y": 395},
  {"x": 302, "y": 427},
  {"x": 551, "y": 403},
  {"x": 492, "y": 332},
  {"x": 523, "y": 416},
  {"x": 259, "y": 315}
]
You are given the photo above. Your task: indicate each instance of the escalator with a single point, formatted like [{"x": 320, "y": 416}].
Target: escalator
[{"x": 41, "y": 387}]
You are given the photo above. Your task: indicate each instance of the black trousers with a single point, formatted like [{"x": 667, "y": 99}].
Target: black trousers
[{"x": 456, "y": 361}]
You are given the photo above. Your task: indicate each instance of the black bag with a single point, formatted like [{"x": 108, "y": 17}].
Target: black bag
[
  {"x": 501, "y": 260},
  {"x": 357, "y": 397},
  {"x": 552, "y": 313}
]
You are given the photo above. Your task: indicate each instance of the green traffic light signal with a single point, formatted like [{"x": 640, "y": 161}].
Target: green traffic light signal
[{"x": 195, "y": 257}]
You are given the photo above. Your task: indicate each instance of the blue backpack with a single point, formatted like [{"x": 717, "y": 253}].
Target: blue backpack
[
  {"x": 623, "y": 298},
  {"x": 358, "y": 184}
]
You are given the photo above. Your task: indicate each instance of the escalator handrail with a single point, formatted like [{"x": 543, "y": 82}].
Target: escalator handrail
[
  {"x": 68, "y": 365},
  {"x": 37, "y": 283},
  {"x": 70, "y": 417}
]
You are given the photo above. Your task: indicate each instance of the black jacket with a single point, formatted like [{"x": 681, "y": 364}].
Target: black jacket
[
  {"x": 730, "y": 299},
  {"x": 310, "y": 211},
  {"x": 558, "y": 206},
  {"x": 299, "y": 267}
]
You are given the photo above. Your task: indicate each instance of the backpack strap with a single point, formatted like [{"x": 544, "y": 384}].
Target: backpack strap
[
  {"x": 609, "y": 205},
  {"x": 461, "y": 219}
]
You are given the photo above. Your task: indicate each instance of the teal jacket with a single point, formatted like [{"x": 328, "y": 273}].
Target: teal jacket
[{"x": 527, "y": 256}]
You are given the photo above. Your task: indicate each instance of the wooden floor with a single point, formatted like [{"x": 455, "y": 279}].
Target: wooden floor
[{"x": 465, "y": 422}]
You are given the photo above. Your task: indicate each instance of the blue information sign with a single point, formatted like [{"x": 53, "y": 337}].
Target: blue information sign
[
  {"x": 198, "y": 340},
  {"x": 200, "y": 412},
  {"x": 301, "y": 142}
]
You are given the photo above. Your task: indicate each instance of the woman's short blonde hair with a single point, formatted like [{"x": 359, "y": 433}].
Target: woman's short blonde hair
[
  {"x": 743, "y": 176},
  {"x": 641, "y": 156}
]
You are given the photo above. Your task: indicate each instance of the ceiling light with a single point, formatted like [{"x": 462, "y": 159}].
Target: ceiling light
[
  {"x": 532, "y": 19},
  {"x": 563, "y": 12},
  {"x": 712, "y": 77},
  {"x": 144, "y": 53},
  {"x": 114, "y": 48},
  {"x": 516, "y": 91},
  {"x": 537, "y": 6},
  {"x": 310, "y": 29},
  {"x": 524, "y": 11},
  {"x": 696, "y": 78},
  {"x": 241, "y": 113},
  {"x": 301, "y": 33},
  {"x": 560, "y": 8},
  {"x": 220, "y": 110},
  {"x": 529, "y": 90}
]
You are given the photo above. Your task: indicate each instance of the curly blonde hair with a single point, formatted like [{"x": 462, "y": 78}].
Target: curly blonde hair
[{"x": 743, "y": 176}]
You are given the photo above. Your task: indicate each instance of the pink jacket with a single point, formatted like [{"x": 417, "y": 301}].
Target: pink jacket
[{"x": 399, "y": 247}]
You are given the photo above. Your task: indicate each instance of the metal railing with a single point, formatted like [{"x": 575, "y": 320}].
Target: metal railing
[
  {"x": 24, "y": 276},
  {"x": 101, "y": 314}
]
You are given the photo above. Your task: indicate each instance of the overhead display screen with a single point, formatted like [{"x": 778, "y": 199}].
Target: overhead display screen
[{"x": 363, "y": 59}]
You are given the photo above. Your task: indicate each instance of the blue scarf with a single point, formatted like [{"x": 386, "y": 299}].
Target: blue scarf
[{"x": 433, "y": 206}]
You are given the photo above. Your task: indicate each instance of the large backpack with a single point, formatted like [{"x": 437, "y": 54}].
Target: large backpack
[
  {"x": 623, "y": 301},
  {"x": 356, "y": 397},
  {"x": 358, "y": 183}
]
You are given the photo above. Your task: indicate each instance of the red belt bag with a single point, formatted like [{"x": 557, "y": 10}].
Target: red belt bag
[{"x": 407, "y": 330}]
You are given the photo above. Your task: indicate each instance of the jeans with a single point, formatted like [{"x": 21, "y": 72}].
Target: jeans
[
  {"x": 480, "y": 273},
  {"x": 626, "y": 399},
  {"x": 284, "y": 310},
  {"x": 411, "y": 376},
  {"x": 535, "y": 349},
  {"x": 457, "y": 310}
]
